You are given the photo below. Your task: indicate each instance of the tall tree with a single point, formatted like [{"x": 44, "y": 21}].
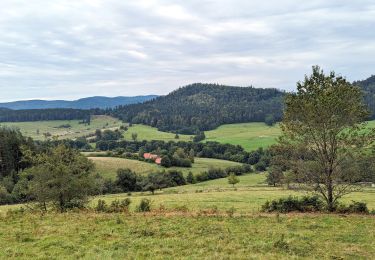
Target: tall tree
[
  {"x": 322, "y": 127},
  {"x": 61, "y": 176}
]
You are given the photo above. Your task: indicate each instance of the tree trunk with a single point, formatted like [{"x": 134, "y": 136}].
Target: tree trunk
[
  {"x": 330, "y": 205},
  {"x": 61, "y": 203}
]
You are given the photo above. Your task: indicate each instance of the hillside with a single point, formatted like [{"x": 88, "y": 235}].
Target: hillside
[
  {"x": 83, "y": 103},
  {"x": 204, "y": 107},
  {"x": 368, "y": 87}
]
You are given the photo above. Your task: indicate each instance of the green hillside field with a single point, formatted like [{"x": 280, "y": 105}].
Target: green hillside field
[
  {"x": 190, "y": 222},
  {"x": 249, "y": 135},
  {"x": 108, "y": 166},
  {"x": 30, "y": 129}
]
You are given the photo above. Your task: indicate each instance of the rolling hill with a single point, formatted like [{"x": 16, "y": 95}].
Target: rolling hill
[
  {"x": 83, "y": 103},
  {"x": 201, "y": 107}
]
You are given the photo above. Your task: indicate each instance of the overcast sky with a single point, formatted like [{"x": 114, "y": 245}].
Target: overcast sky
[{"x": 71, "y": 49}]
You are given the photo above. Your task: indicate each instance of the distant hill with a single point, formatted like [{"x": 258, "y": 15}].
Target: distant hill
[
  {"x": 204, "y": 107},
  {"x": 368, "y": 87},
  {"x": 84, "y": 103}
]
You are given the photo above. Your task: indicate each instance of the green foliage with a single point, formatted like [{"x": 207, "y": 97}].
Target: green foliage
[
  {"x": 200, "y": 136},
  {"x": 354, "y": 207},
  {"x": 61, "y": 176},
  {"x": 290, "y": 204},
  {"x": 144, "y": 206},
  {"x": 190, "y": 178},
  {"x": 275, "y": 176},
  {"x": 322, "y": 126},
  {"x": 269, "y": 120},
  {"x": 126, "y": 180},
  {"x": 233, "y": 179},
  {"x": 204, "y": 107},
  {"x": 115, "y": 206}
]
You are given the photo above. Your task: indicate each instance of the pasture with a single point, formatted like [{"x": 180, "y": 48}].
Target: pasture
[
  {"x": 190, "y": 222},
  {"x": 146, "y": 132},
  {"x": 36, "y": 130},
  {"x": 107, "y": 166},
  {"x": 249, "y": 135}
]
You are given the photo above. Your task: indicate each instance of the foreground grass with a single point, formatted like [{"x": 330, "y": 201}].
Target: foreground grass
[
  {"x": 172, "y": 236},
  {"x": 248, "y": 196},
  {"x": 108, "y": 166},
  {"x": 30, "y": 129},
  {"x": 190, "y": 222}
]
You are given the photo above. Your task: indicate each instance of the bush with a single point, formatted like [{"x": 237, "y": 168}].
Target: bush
[
  {"x": 144, "y": 206},
  {"x": 116, "y": 206},
  {"x": 239, "y": 170},
  {"x": 290, "y": 204},
  {"x": 119, "y": 206},
  {"x": 354, "y": 207},
  {"x": 101, "y": 206}
]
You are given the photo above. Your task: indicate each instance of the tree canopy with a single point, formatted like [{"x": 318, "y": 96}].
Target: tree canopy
[{"x": 323, "y": 127}]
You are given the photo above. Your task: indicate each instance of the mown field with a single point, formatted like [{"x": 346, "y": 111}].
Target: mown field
[
  {"x": 249, "y": 135},
  {"x": 107, "y": 166},
  {"x": 31, "y": 129},
  {"x": 191, "y": 222},
  {"x": 145, "y": 132}
]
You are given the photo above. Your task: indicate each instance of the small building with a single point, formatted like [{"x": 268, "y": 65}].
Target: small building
[{"x": 149, "y": 156}]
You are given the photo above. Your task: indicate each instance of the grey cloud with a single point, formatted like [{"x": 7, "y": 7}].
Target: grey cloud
[{"x": 71, "y": 49}]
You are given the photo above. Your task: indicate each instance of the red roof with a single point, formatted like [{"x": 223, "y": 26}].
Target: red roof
[{"x": 154, "y": 157}]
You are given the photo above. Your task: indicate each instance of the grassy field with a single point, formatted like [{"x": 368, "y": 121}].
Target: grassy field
[
  {"x": 151, "y": 133},
  {"x": 250, "y": 194},
  {"x": 107, "y": 166},
  {"x": 191, "y": 222},
  {"x": 249, "y": 135},
  {"x": 31, "y": 128},
  {"x": 138, "y": 236}
]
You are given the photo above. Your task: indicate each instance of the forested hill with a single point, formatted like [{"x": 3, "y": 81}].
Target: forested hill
[
  {"x": 83, "y": 103},
  {"x": 205, "y": 106},
  {"x": 8, "y": 115},
  {"x": 368, "y": 87}
]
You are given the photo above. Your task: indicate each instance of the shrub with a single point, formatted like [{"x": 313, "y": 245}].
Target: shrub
[
  {"x": 354, "y": 207},
  {"x": 116, "y": 206},
  {"x": 101, "y": 206},
  {"x": 119, "y": 206},
  {"x": 290, "y": 204},
  {"x": 190, "y": 178},
  {"x": 144, "y": 206}
]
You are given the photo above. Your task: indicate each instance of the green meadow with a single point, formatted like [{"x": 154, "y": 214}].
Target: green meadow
[
  {"x": 36, "y": 130},
  {"x": 249, "y": 135},
  {"x": 108, "y": 166},
  {"x": 206, "y": 220}
]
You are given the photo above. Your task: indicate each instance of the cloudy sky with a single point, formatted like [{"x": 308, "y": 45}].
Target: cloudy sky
[{"x": 71, "y": 49}]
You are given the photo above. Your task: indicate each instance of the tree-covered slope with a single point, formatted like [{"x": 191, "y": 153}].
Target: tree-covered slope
[
  {"x": 203, "y": 107},
  {"x": 368, "y": 87},
  {"x": 83, "y": 103}
]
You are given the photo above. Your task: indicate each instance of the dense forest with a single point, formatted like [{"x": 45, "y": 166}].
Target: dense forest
[
  {"x": 190, "y": 109},
  {"x": 83, "y": 103},
  {"x": 8, "y": 115},
  {"x": 204, "y": 107},
  {"x": 368, "y": 88}
]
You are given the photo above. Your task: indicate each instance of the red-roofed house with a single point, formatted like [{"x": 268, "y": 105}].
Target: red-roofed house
[{"x": 156, "y": 158}]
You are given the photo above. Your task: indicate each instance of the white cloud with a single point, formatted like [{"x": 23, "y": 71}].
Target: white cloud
[{"x": 70, "y": 49}]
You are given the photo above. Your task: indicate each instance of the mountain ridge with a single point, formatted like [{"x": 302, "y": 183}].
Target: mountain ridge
[{"x": 82, "y": 103}]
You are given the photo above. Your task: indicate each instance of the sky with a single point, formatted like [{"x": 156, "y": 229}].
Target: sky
[{"x": 72, "y": 49}]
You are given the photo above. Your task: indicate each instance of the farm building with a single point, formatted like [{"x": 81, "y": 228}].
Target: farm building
[{"x": 156, "y": 158}]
